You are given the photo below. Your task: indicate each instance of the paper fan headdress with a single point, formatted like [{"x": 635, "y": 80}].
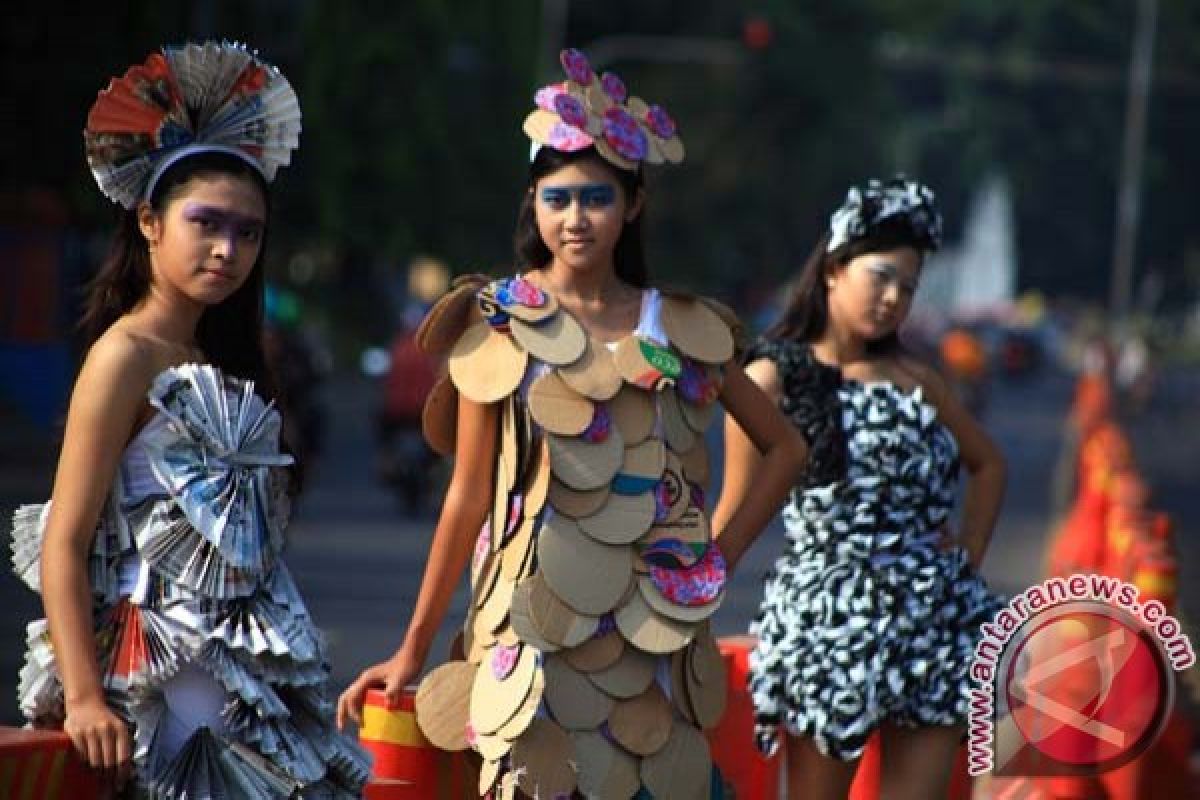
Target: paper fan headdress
[
  {"x": 868, "y": 206},
  {"x": 211, "y": 97},
  {"x": 588, "y": 110}
]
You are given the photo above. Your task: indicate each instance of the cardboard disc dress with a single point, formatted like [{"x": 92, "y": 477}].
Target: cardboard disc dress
[{"x": 589, "y": 666}]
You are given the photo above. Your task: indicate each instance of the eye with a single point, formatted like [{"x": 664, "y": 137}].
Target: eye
[
  {"x": 599, "y": 197},
  {"x": 250, "y": 234},
  {"x": 555, "y": 198},
  {"x": 205, "y": 223}
]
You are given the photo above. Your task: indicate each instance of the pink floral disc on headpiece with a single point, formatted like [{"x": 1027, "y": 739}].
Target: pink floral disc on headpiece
[
  {"x": 545, "y": 96},
  {"x": 622, "y": 132},
  {"x": 567, "y": 138},
  {"x": 697, "y": 585},
  {"x": 660, "y": 122},
  {"x": 571, "y": 110},
  {"x": 576, "y": 66},
  {"x": 613, "y": 87}
]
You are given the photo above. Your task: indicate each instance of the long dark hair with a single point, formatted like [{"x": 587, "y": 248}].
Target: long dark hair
[
  {"x": 629, "y": 257},
  {"x": 806, "y": 314},
  {"x": 229, "y": 333}
]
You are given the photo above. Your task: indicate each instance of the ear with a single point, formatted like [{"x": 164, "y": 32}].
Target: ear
[
  {"x": 635, "y": 206},
  {"x": 149, "y": 223}
]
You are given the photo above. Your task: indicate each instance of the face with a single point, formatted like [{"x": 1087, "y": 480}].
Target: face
[
  {"x": 870, "y": 295},
  {"x": 204, "y": 243},
  {"x": 581, "y": 211}
]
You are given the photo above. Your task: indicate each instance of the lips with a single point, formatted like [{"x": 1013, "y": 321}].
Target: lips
[{"x": 216, "y": 273}]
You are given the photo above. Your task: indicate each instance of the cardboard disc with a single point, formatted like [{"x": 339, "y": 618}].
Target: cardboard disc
[
  {"x": 597, "y": 653},
  {"x": 646, "y": 364},
  {"x": 590, "y": 576},
  {"x": 553, "y": 619},
  {"x": 696, "y": 330},
  {"x": 668, "y": 609},
  {"x": 494, "y": 611},
  {"x": 541, "y": 757},
  {"x": 538, "y": 485},
  {"x": 682, "y": 769},
  {"x": 516, "y": 560},
  {"x": 574, "y": 701},
  {"x": 486, "y": 366},
  {"x": 488, "y": 773},
  {"x": 501, "y": 506},
  {"x": 622, "y": 519},
  {"x": 708, "y": 694},
  {"x": 574, "y": 503},
  {"x": 691, "y": 530},
  {"x": 495, "y": 701},
  {"x": 679, "y": 435},
  {"x": 557, "y": 407},
  {"x": 679, "y": 684},
  {"x": 674, "y": 493},
  {"x": 641, "y": 468},
  {"x": 558, "y": 340},
  {"x": 632, "y": 411},
  {"x": 484, "y": 579},
  {"x": 605, "y": 770},
  {"x": 510, "y": 446},
  {"x": 532, "y": 314},
  {"x": 520, "y": 617},
  {"x": 695, "y": 464},
  {"x": 648, "y": 630},
  {"x": 439, "y": 417},
  {"x": 698, "y": 417},
  {"x": 526, "y": 714},
  {"x": 582, "y": 465},
  {"x": 443, "y": 704},
  {"x": 594, "y": 375},
  {"x": 447, "y": 319},
  {"x": 507, "y": 637},
  {"x": 642, "y": 724},
  {"x": 628, "y": 676},
  {"x": 492, "y": 746}
]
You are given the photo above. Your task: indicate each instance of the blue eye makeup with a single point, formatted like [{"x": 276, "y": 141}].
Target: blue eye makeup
[
  {"x": 885, "y": 274},
  {"x": 229, "y": 223},
  {"x": 599, "y": 196},
  {"x": 590, "y": 195}
]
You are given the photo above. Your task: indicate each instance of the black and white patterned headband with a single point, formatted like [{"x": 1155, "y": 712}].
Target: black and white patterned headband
[{"x": 865, "y": 208}]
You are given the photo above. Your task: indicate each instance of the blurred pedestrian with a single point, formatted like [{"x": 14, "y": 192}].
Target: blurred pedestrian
[
  {"x": 175, "y": 646},
  {"x": 871, "y": 616},
  {"x": 573, "y": 384}
]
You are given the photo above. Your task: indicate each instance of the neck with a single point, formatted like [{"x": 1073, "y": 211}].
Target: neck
[
  {"x": 170, "y": 317},
  {"x": 839, "y": 347},
  {"x": 590, "y": 285}
]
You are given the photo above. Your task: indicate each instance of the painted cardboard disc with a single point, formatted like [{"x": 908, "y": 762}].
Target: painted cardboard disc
[
  {"x": 641, "y": 469},
  {"x": 520, "y": 298},
  {"x": 526, "y": 714},
  {"x": 622, "y": 519},
  {"x": 605, "y": 770},
  {"x": 673, "y": 495},
  {"x": 496, "y": 701},
  {"x": 542, "y": 760},
  {"x": 484, "y": 579},
  {"x": 682, "y": 769},
  {"x": 483, "y": 639},
  {"x": 443, "y": 704},
  {"x": 583, "y": 465},
  {"x": 648, "y": 630},
  {"x": 439, "y": 417},
  {"x": 597, "y": 653},
  {"x": 574, "y": 701},
  {"x": 538, "y": 485},
  {"x": 595, "y": 374},
  {"x": 516, "y": 560},
  {"x": 690, "y": 534},
  {"x": 554, "y": 620},
  {"x": 492, "y": 615},
  {"x": 510, "y": 446},
  {"x": 520, "y": 617},
  {"x": 695, "y": 464},
  {"x": 642, "y": 363},
  {"x": 486, "y": 366},
  {"x": 632, "y": 411},
  {"x": 590, "y": 576},
  {"x": 489, "y": 771},
  {"x": 679, "y": 435},
  {"x": 699, "y": 418},
  {"x": 628, "y": 676},
  {"x": 574, "y": 503},
  {"x": 668, "y": 609},
  {"x": 558, "y": 340},
  {"x": 696, "y": 330},
  {"x": 448, "y": 318},
  {"x": 642, "y": 724},
  {"x": 557, "y": 407},
  {"x": 507, "y": 637}
]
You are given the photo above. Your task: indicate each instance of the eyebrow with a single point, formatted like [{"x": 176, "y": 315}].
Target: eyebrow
[
  {"x": 894, "y": 273},
  {"x": 194, "y": 210},
  {"x": 579, "y": 188}
]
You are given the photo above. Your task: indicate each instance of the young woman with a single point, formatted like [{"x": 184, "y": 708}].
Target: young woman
[
  {"x": 577, "y": 491},
  {"x": 870, "y": 617},
  {"x": 176, "y": 647}
]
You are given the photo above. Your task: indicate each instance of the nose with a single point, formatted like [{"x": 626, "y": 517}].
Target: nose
[
  {"x": 576, "y": 218},
  {"x": 225, "y": 247},
  {"x": 891, "y": 294}
]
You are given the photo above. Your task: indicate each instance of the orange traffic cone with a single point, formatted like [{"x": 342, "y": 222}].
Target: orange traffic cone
[{"x": 749, "y": 772}]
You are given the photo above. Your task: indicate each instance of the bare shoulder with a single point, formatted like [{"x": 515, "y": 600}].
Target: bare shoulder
[
  {"x": 924, "y": 375},
  {"x": 765, "y": 373},
  {"x": 118, "y": 370}
]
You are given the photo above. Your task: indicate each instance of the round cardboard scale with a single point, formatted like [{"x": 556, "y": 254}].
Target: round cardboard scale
[
  {"x": 557, "y": 407},
  {"x": 554, "y": 620},
  {"x": 708, "y": 696},
  {"x": 632, "y": 365},
  {"x": 439, "y": 417},
  {"x": 622, "y": 519},
  {"x": 574, "y": 503},
  {"x": 491, "y": 746},
  {"x": 521, "y": 618},
  {"x": 447, "y": 319},
  {"x": 632, "y": 411},
  {"x": 605, "y": 770},
  {"x": 573, "y": 700},
  {"x": 488, "y": 773},
  {"x": 495, "y": 702},
  {"x": 484, "y": 580},
  {"x": 678, "y": 492},
  {"x": 541, "y": 757},
  {"x": 539, "y": 482},
  {"x": 510, "y": 448},
  {"x": 682, "y": 769},
  {"x": 531, "y": 314},
  {"x": 663, "y": 606},
  {"x": 558, "y": 340},
  {"x": 589, "y": 576},
  {"x": 597, "y": 653},
  {"x": 696, "y": 330},
  {"x": 582, "y": 465},
  {"x": 486, "y": 366},
  {"x": 594, "y": 375},
  {"x": 648, "y": 630},
  {"x": 642, "y": 724},
  {"x": 645, "y": 461},
  {"x": 515, "y": 558},
  {"x": 493, "y": 612},
  {"x": 695, "y": 464},
  {"x": 679, "y": 435},
  {"x": 679, "y": 684},
  {"x": 698, "y": 418},
  {"x": 522, "y": 719},
  {"x": 507, "y": 637},
  {"x": 630, "y": 675},
  {"x": 500, "y": 506},
  {"x": 443, "y": 705}
]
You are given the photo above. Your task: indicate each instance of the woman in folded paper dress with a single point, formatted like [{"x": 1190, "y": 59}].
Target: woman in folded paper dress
[
  {"x": 575, "y": 405},
  {"x": 871, "y": 616},
  {"x": 175, "y": 644}
]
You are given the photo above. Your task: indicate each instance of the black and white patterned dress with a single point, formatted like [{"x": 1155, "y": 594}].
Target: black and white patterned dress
[{"x": 866, "y": 618}]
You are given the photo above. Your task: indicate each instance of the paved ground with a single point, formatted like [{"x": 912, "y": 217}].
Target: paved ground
[{"x": 358, "y": 558}]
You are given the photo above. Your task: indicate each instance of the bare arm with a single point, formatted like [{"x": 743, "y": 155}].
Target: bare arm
[
  {"x": 104, "y": 406},
  {"x": 468, "y": 500},
  {"x": 762, "y": 450}
]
